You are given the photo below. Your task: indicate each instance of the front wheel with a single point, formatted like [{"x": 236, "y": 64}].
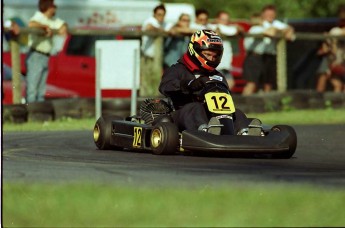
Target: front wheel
[
  {"x": 164, "y": 138},
  {"x": 292, "y": 140}
]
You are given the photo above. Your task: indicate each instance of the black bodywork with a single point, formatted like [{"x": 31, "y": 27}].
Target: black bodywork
[
  {"x": 155, "y": 131},
  {"x": 274, "y": 142}
]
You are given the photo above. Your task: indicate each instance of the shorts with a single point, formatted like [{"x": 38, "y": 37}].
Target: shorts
[
  {"x": 252, "y": 67},
  {"x": 269, "y": 70},
  {"x": 323, "y": 67}
]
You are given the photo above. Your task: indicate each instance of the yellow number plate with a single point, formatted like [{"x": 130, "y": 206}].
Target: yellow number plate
[
  {"x": 220, "y": 103},
  {"x": 138, "y": 131}
]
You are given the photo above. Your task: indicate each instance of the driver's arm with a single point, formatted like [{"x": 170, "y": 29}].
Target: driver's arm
[{"x": 171, "y": 82}]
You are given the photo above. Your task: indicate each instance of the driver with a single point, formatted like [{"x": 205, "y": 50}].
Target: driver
[{"x": 182, "y": 81}]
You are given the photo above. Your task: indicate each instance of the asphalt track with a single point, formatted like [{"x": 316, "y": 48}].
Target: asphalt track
[{"x": 72, "y": 157}]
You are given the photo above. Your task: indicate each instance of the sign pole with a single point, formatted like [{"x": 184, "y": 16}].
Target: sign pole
[
  {"x": 98, "y": 96},
  {"x": 134, "y": 87}
]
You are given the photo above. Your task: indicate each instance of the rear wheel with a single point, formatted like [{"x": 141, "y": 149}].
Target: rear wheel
[
  {"x": 292, "y": 140},
  {"x": 102, "y": 133},
  {"x": 164, "y": 138}
]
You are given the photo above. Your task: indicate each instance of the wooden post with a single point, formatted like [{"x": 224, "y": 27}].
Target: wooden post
[
  {"x": 158, "y": 65},
  {"x": 16, "y": 73},
  {"x": 281, "y": 65},
  {"x": 151, "y": 70}
]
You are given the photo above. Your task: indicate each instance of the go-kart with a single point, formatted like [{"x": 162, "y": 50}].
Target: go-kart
[{"x": 154, "y": 130}]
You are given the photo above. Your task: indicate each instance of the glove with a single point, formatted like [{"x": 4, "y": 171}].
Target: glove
[{"x": 197, "y": 84}]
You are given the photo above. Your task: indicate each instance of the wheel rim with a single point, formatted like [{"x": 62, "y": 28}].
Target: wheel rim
[
  {"x": 156, "y": 138},
  {"x": 96, "y": 133}
]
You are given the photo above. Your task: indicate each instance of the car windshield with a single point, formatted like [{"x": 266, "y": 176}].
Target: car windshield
[{"x": 85, "y": 45}]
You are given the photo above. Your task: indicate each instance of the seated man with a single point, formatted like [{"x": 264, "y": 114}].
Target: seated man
[{"x": 182, "y": 81}]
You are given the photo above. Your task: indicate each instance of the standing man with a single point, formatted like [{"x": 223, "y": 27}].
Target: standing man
[
  {"x": 252, "y": 65},
  {"x": 149, "y": 76},
  {"x": 156, "y": 24},
  {"x": 40, "y": 47},
  {"x": 222, "y": 26},
  {"x": 272, "y": 27}
]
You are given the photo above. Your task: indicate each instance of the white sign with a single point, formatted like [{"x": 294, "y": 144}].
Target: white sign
[
  {"x": 117, "y": 67},
  {"x": 118, "y": 62}
]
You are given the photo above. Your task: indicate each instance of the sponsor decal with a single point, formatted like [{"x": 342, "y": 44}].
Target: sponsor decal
[
  {"x": 138, "y": 131},
  {"x": 216, "y": 77}
]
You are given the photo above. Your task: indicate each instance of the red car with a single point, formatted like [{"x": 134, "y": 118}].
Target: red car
[
  {"x": 52, "y": 91},
  {"x": 74, "y": 67}
]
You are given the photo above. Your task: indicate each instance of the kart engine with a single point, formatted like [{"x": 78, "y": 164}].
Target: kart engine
[{"x": 152, "y": 108}]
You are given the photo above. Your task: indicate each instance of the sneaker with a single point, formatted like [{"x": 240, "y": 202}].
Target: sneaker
[
  {"x": 214, "y": 126},
  {"x": 255, "y": 127}
]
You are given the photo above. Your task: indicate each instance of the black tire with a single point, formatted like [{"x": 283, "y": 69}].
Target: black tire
[
  {"x": 40, "y": 111},
  {"x": 102, "y": 133},
  {"x": 164, "y": 138},
  {"x": 15, "y": 113},
  {"x": 69, "y": 107},
  {"x": 292, "y": 141},
  {"x": 119, "y": 104}
]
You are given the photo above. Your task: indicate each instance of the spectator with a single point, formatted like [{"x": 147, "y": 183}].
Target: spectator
[
  {"x": 154, "y": 23},
  {"x": 335, "y": 64},
  {"x": 222, "y": 26},
  {"x": 40, "y": 47},
  {"x": 252, "y": 66},
  {"x": 13, "y": 27},
  {"x": 201, "y": 20},
  {"x": 272, "y": 28},
  {"x": 176, "y": 45},
  {"x": 12, "y": 31},
  {"x": 310, "y": 64}
]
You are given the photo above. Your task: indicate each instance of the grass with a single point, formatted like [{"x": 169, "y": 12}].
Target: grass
[
  {"x": 105, "y": 205},
  {"x": 88, "y": 205},
  {"x": 295, "y": 117},
  {"x": 302, "y": 117}
]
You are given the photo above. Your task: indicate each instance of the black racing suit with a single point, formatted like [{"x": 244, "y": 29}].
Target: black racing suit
[{"x": 190, "y": 111}]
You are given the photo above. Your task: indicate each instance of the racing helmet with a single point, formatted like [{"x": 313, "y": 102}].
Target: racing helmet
[{"x": 205, "y": 40}]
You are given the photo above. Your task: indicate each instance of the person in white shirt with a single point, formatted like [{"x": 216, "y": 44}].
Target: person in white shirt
[
  {"x": 154, "y": 23},
  {"x": 272, "y": 28},
  {"x": 252, "y": 65},
  {"x": 40, "y": 48},
  {"x": 222, "y": 26}
]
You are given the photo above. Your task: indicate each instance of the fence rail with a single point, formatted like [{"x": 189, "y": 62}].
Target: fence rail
[{"x": 158, "y": 58}]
